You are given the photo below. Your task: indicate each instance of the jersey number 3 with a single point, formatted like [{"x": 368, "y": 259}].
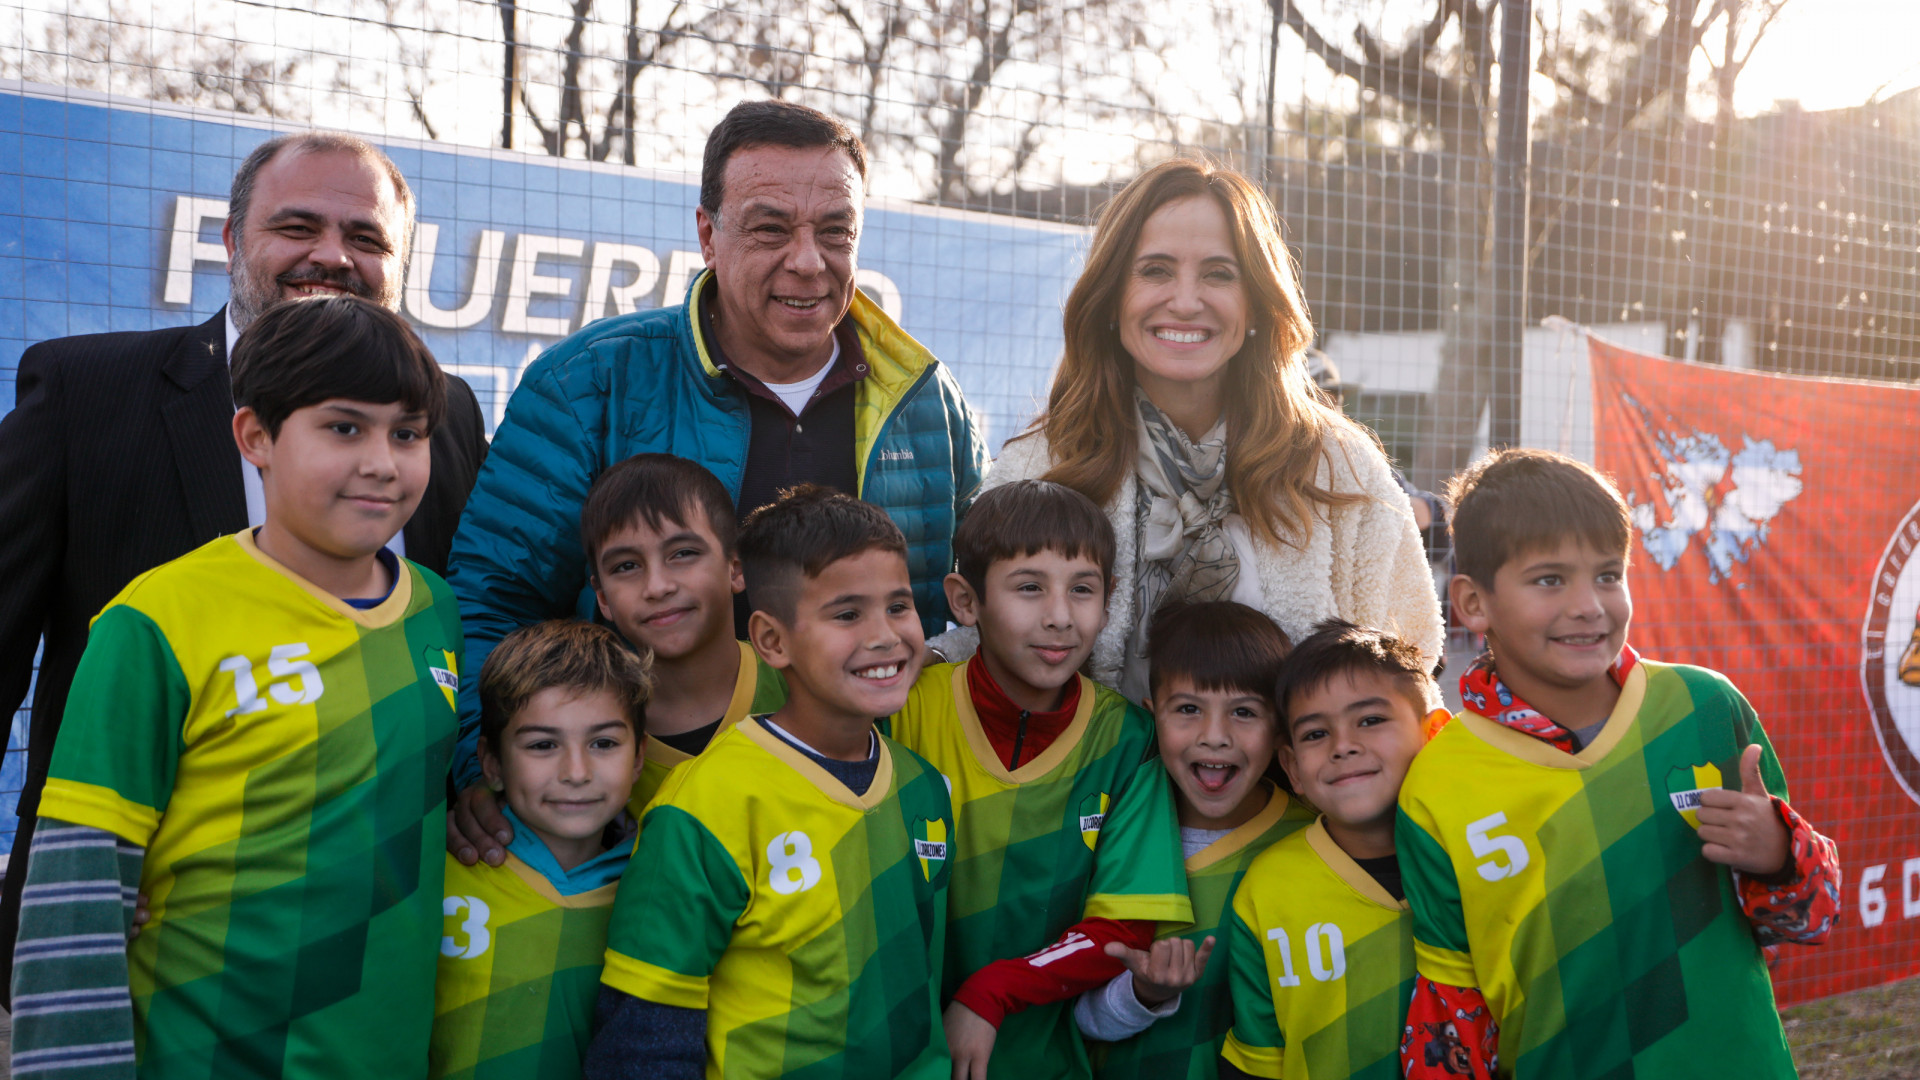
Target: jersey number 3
[
  {"x": 791, "y": 865},
  {"x": 301, "y": 683}
]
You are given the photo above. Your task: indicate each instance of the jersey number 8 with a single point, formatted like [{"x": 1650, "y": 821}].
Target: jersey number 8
[
  {"x": 792, "y": 869},
  {"x": 302, "y": 688}
]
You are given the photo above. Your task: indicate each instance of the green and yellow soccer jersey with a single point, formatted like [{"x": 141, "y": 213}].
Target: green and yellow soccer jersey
[
  {"x": 757, "y": 691},
  {"x": 808, "y": 921},
  {"x": 1081, "y": 831},
  {"x": 519, "y": 974},
  {"x": 1570, "y": 888},
  {"x": 1187, "y": 1044},
  {"x": 1321, "y": 965},
  {"x": 282, "y": 756}
]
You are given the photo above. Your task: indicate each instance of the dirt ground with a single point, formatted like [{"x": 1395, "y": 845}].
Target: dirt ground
[{"x": 1866, "y": 1035}]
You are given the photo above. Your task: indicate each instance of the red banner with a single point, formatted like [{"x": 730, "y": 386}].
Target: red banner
[{"x": 1775, "y": 520}]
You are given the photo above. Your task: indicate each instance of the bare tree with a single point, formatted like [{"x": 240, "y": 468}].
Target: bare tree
[
  {"x": 584, "y": 72},
  {"x": 1623, "y": 68}
]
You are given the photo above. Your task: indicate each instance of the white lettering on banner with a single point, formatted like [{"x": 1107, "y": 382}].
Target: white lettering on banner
[
  {"x": 1873, "y": 897},
  {"x": 604, "y": 295},
  {"x": 601, "y": 291},
  {"x": 681, "y": 266},
  {"x": 525, "y": 284},
  {"x": 187, "y": 249},
  {"x": 1875, "y": 904},
  {"x": 486, "y": 278}
]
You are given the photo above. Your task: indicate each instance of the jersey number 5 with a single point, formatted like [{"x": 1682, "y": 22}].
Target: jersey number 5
[
  {"x": 1481, "y": 839},
  {"x": 302, "y": 685}
]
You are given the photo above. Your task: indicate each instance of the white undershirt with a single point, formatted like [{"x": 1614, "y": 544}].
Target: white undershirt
[
  {"x": 250, "y": 476},
  {"x": 797, "y": 394}
]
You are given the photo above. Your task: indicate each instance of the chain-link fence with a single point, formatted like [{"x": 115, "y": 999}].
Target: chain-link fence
[{"x": 1454, "y": 174}]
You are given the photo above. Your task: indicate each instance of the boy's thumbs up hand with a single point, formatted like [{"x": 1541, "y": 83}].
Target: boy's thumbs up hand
[{"x": 1741, "y": 829}]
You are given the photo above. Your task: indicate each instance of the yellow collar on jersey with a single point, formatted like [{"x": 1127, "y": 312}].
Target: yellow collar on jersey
[
  {"x": 745, "y": 681},
  {"x": 1345, "y": 868},
  {"x": 1541, "y": 752},
  {"x": 1245, "y": 833},
  {"x": 383, "y": 614},
  {"x": 829, "y": 785},
  {"x": 989, "y": 759}
]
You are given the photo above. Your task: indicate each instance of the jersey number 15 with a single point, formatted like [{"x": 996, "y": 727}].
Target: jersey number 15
[{"x": 300, "y": 683}]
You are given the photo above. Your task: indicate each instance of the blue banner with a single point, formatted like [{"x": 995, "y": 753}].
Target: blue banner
[{"x": 110, "y": 214}]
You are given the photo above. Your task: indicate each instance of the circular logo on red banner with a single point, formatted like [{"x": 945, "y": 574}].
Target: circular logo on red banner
[{"x": 1890, "y": 654}]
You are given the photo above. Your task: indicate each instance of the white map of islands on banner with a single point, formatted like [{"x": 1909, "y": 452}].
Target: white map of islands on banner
[{"x": 1723, "y": 497}]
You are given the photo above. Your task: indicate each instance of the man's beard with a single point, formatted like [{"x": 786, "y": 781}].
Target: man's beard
[{"x": 249, "y": 294}]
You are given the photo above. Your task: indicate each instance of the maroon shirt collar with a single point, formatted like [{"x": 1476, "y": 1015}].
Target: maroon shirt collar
[{"x": 849, "y": 367}]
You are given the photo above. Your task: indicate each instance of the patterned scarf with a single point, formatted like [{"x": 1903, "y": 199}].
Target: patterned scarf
[
  {"x": 1482, "y": 691},
  {"x": 1185, "y": 553}
]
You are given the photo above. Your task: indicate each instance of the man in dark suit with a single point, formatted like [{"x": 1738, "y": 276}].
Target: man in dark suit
[{"x": 119, "y": 454}]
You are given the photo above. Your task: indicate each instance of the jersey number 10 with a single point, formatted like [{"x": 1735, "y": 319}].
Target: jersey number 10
[
  {"x": 1326, "y": 953},
  {"x": 301, "y": 685}
]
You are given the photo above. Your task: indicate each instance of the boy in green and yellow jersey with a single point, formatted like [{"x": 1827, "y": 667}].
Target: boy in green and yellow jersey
[
  {"x": 1600, "y": 846},
  {"x": 660, "y": 534},
  {"x": 786, "y": 914},
  {"x": 560, "y": 713},
  {"x": 1319, "y": 941},
  {"x": 1213, "y": 669},
  {"x": 258, "y": 740},
  {"x": 1066, "y": 842}
]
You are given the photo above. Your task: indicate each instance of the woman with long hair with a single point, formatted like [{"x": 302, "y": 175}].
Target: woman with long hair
[{"x": 1183, "y": 408}]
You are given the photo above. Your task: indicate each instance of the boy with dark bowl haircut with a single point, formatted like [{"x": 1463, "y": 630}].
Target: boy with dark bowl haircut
[
  {"x": 1066, "y": 843},
  {"x": 1213, "y": 671},
  {"x": 257, "y": 741},
  {"x": 1319, "y": 940},
  {"x": 561, "y": 706},
  {"x": 1598, "y": 849},
  {"x": 790, "y": 917}
]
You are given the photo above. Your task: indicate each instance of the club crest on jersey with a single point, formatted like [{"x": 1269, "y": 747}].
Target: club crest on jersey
[
  {"x": 446, "y": 678},
  {"x": 1685, "y": 783},
  {"x": 1093, "y": 814},
  {"x": 930, "y": 846}
]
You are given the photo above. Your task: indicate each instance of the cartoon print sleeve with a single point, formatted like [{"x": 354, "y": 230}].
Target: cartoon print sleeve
[{"x": 1450, "y": 1034}]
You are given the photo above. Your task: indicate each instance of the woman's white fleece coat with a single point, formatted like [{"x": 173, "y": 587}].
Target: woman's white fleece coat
[{"x": 1363, "y": 562}]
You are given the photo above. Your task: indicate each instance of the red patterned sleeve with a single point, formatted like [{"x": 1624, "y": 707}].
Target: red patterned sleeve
[
  {"x": 1069, "y": 967},
  {"x": 1798, "y": 905},
  {"x": 1450, "y": 1034}
]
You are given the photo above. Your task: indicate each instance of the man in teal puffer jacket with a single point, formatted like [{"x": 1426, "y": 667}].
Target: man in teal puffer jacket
[{"x": 774, "y": 372}]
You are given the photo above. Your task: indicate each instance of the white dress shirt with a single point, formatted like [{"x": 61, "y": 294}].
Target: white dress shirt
[{"x": 250, "y": 476}]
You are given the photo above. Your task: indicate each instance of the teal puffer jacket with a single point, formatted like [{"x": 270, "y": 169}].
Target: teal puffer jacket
[{"x": 644, "y": 382}]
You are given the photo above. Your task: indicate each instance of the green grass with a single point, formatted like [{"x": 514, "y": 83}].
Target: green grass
[{"x": 1869, "y": 1034}]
